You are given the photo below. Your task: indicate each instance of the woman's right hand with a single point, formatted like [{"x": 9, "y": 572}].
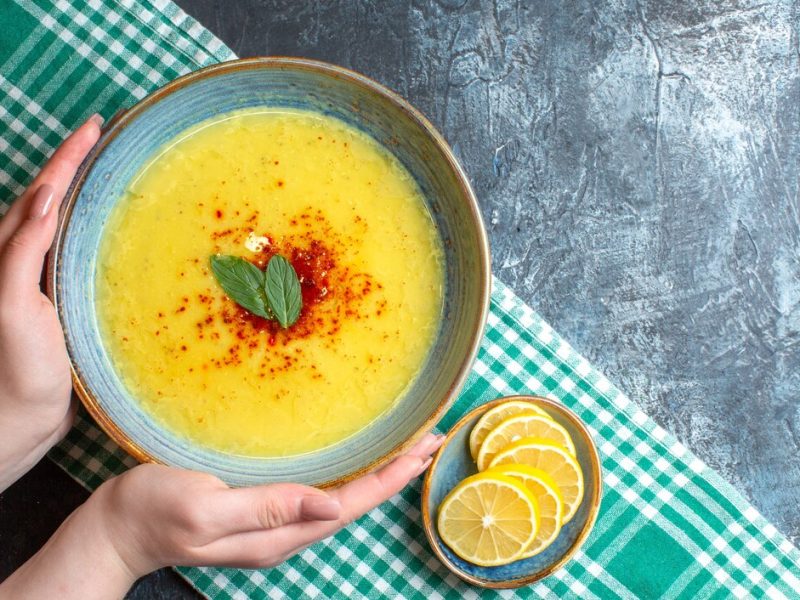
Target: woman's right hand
[{"x": 154, "y": 516}]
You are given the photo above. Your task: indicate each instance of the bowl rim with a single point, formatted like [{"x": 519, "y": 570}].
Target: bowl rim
[
  {"x": 124, "y": 116},
  {"x": 594, "y": 508}
]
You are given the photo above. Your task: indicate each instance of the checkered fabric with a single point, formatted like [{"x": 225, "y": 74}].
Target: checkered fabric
[{"x": 669, "y": 527}]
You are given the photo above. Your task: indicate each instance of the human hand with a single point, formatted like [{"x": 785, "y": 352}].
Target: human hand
[
  {"x": 153, "y": 516},
  {"x": 35, "y": 380},
  {"x": 158, "y": 516}
]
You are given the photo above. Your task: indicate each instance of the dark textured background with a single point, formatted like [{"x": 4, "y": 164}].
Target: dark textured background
[{"x": 637, "y": 167}]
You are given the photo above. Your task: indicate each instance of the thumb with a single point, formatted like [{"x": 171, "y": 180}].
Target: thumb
[
  {"x": 276, "y": 505},
  {"x": 23, "y": 256}
]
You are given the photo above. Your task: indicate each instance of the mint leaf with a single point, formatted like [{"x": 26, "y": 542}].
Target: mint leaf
[
  {"x": 283, "y": 291},
  {"x": 243, "y": 282}
]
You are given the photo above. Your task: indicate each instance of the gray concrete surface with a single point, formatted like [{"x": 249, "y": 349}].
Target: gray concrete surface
[{"x": 637, "y": 166}]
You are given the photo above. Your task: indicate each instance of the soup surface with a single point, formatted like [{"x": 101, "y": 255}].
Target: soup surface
[{"x": 353, "y": 224}]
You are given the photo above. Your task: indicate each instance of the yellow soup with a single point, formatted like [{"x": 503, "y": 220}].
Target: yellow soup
[{"x": 351, "y": 221}]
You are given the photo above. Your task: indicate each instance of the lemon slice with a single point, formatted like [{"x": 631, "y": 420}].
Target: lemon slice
[
  {"x": 518, "y": 427},
  {"x": 553, "y": 460},
  {"x": 492, "y": 417},
  {"x": 489, "y": 520},
  {"x": 548, "y": 498}
]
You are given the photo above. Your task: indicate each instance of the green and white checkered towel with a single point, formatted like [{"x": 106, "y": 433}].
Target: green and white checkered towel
[{"x": 669, "y": 527}]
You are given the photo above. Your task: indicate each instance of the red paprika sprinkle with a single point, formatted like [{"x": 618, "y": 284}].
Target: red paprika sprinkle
[{"x": 332, "y": 294}]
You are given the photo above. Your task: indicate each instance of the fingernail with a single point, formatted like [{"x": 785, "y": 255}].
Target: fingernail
[
  {"x": 426, "y": 442},
  {"x": 424, "y": 466},
  {"x": 97, "y": 119},
  {"x": 42, "y": 201},
  {"x": 320, "y": 508},
  {"x": 432, "y": 443}
]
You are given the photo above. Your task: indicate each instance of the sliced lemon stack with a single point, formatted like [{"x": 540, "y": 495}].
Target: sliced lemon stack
[{"x": 530, "y": 484}]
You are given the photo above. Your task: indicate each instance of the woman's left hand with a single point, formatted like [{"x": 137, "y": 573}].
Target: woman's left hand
[
  {"x": 153, "y": 516},
  {"x": 35, "y": 381}
]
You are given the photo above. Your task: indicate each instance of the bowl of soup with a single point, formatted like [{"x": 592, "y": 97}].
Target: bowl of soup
[{"x": 249, "y": 161}]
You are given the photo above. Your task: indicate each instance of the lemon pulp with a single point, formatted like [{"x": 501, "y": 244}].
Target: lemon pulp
[
  {"x": 548, "y": 498},
  {"x": 492, "y": 417},
  {"x": 554, "y": 460},
  {"x": 520, "y": 426},
  {"x": 489, "y": 520}
]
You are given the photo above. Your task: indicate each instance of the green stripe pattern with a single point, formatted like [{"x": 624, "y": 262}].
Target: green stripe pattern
[{"x": 669, "y": 527}]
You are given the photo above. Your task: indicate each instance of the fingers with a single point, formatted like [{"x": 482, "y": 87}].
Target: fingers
[
  {"x": 27, "y": 231},
  {"x": 58, "y": 173},
  {"x": 429, "y": 444},
  {"x": 64, "y": 162},
  {"x": 261, "y": 546},
  {"x": 23, "y": 255},
  {"x": 364, "y": 494},
  {"x": 271, "y": 506},
  {"x": 290, "y": 506}
]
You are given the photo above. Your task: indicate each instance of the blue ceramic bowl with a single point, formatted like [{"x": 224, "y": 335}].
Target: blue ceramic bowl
[
  {"x": 453, "y": 463},
  {"x": 131, "y": 138}
]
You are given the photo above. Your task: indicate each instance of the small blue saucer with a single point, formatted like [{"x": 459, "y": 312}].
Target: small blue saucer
[{"x": 453, "y": 463}]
